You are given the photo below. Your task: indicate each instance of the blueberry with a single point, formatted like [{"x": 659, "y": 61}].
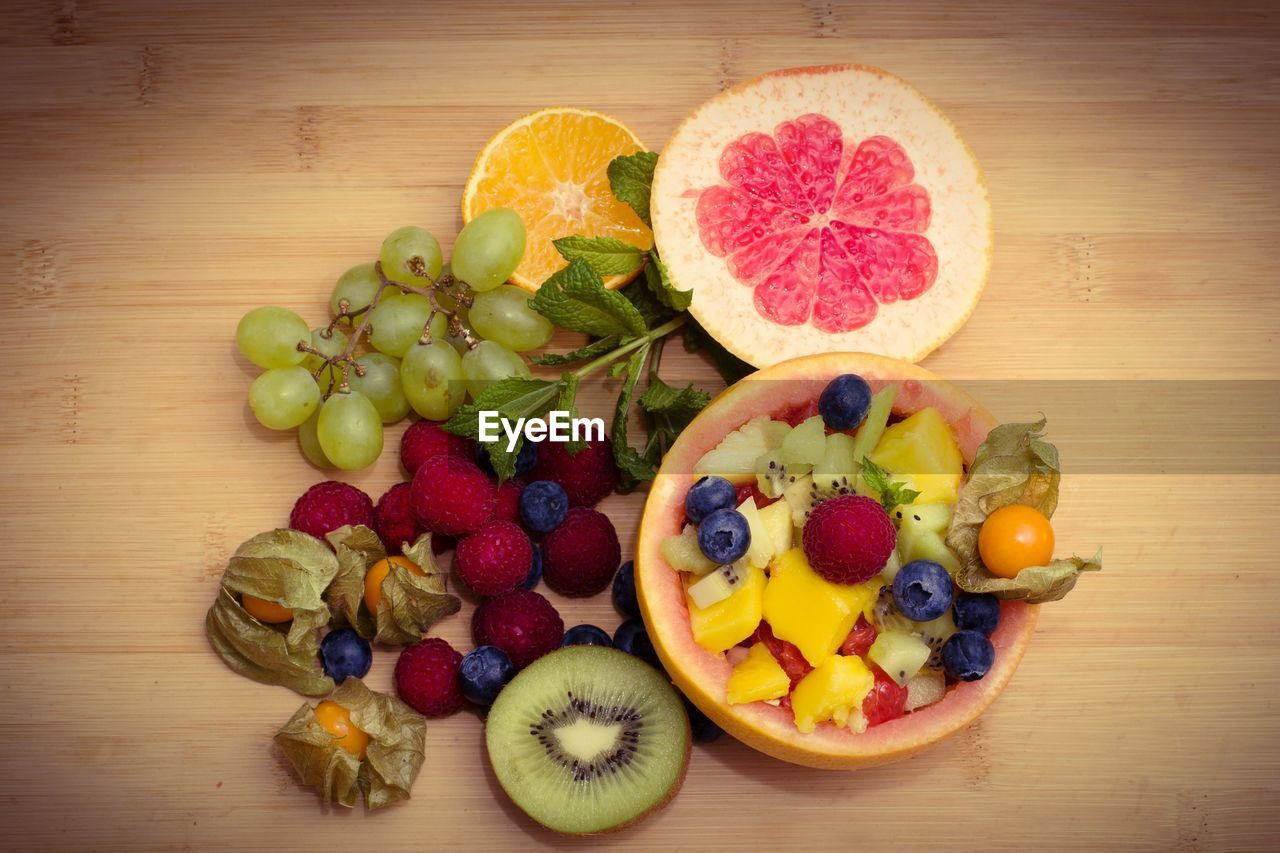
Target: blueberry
[
  {"x": 485, "y": 670},
  {"x": 967, "y": 655},
  {"x": 724, "y": 536},
  {"x": 632, "y": 638},
  {"x": 704, "y": 731},
  {"x": 979, "y": 613},
  {"x": 525, "y": 459},
  {"x": 535, "y": 570},
  {"x": 543, "y": 505},
  {"x": 345, "y": 653},
  {"x": 708, "y": 495},
  {"x": 624, "y": 590},
  {"x": 586, "y": 635},
  {"x": 922, "y": 590},
  {"x": 845, "y": 401}
]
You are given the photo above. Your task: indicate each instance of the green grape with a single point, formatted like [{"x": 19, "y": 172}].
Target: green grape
[
  {"x": 330, "y": 346},
  {"x": 503, "y": 315},
  {"x": 309, "y": 442},
  {"x": 432, "y": 378},
  {"x": 489, "y": 249},
  {"x": 458, "y": 342},
  {"x": 381, "y": 384},
  {"x": 398, "y": 320},
  {"x": 283, "y": 397},
  {"x": 269, "y": 336},
  {"x": 402, "y": 246},
  {"x": 489, "y": 362},
  {"x": 350, "y": 431},
  {"x": 357, "y": 285}
]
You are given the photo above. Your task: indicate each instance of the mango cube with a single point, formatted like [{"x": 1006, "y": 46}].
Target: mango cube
[
  {"x": 759, "y": 676},
  {"x": 809, "y": 611},
  {"x": 922, "y": 453},
  {"x": 726, "y": 623},
  {"x": 833, "y": 691}
]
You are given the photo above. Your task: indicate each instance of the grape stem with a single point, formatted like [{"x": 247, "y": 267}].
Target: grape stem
[{"x": 345, "y": 361}]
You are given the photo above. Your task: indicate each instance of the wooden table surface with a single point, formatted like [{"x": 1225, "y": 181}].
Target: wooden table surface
[{"x": 166, "y": 166}]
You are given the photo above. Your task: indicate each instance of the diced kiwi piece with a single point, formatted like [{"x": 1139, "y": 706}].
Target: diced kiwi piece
[
  {"x": 715, "y": 587},
  {"x": 899, "y": 654},
  {"x": 868, "y": 435},
  {"x": 890, "y": 570},
  {"x": 918, "y": 543},
  {"x": 683, "y": 554},
  {"x": 837, "y": 473},
  {"x": 935, "y": 635},
  {"x": 588, "y": 739},
  {"x": 933, "y": 517},
  {"x": 924, "y": 688},
  {"x": 800, "y": 496},
  {"x": 773, "y": 475},
  {"x": 734, "y": 458},
  {"x": 806, "y": 443}
]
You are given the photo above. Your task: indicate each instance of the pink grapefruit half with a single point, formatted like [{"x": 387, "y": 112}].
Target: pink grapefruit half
[
  {"x": 704, "y": 675},
  {"x": 823, "y": 209}
]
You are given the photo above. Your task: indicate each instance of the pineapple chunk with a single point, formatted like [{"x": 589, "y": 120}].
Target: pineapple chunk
[
  {"x": 929, "y": 686},
  {"x": 726, "y": 623},
  {"x": 922, "y": 453},
  {"x": 734, "y": 458},
  {"x": 833, "y": 691},
  {"x": 776, "y": 520},
  {"x": 760, "y": 551},
  {"x": 899, "y": 654},
  {"x": 809, "y": 611},
  {"x": 757, "y": 678}
]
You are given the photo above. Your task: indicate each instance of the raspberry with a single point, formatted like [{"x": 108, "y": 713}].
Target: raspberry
[
  {"x": 329, "y": 505},
  {"x": 495, "y": 559},
  {"x": 586, "y": 478},
  {"x": 522, "y": 623},
  {"x": 452, "y": 496},
  {"x": 393, "y": 518},
  {"x": 580, "y": 556},
  {"x": 507, "y": 507},
  {"x": 425, "y": 439},
  {"x": 848, "y": 539},
  {"x": 427, "y": 678}
]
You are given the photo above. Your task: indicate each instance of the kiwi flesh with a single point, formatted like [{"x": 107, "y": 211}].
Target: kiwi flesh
[{"x": 587, "y": 740}]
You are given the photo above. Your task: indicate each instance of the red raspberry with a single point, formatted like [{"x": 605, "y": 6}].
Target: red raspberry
[
  {"x": 580, "y": 557},
  {"x": 495, "y": 559},
  {"x": 507, "y": 507},
  {"x": 751, "y": 490},
  {"x": 425, "y": 439},
  {"x": 452, "y": 495},
  {"x": 859, "y": 641},
  {"x": 329, "y": 505},
  {"x": 427, "y": 678},
  {"x": 585, "y": 478},
  {"x": 886, "y": 701},
  {"x": 848, "y": 539},
  {"x": 521, "y": 623},
  {"x": 393, "y": 518},
  {"x": 788, "y": 656}
]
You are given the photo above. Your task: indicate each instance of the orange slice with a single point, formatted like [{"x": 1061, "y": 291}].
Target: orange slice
[{"x": 551, "y": 167}]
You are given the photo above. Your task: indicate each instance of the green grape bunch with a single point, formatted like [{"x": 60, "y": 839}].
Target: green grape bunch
[{"x": 408, "y": 333}]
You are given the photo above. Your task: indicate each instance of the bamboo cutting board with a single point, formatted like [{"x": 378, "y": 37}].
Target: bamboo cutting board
[{"x": 166, "y": 166}]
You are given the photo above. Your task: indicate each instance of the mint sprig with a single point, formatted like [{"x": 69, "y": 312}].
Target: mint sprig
[
  {"x": 576, "y": 298},
  {"x": 631, "y": 179},
  {"x": 891, "y": 493},
  {"x": 606, "y": 255}
]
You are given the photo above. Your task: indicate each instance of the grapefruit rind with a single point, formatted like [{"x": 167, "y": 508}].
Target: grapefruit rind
[
  {"x": 703, "y": 676},
  {"x": 865, "y": 102},
  {"x": 634, "y": 232}
]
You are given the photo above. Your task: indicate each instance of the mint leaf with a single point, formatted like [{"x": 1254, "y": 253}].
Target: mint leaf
[
  {"x": 639, "y": 295},
  {"x": 607, "y": 255},
  {"x": 729, "y": 366},
  {"x": 591, "y": 350},
  {"x": 576, "y": 298},
  {"x": 669, "y": 411},
  {"x": 658, "y": 277},
  {"x": 631, "y": 179},
  {"x": 512, "y": 399},
  {"x": 633, "y": 467},
  {"x": 568, "y": 402},
  {"x": 891, "y": 493}
]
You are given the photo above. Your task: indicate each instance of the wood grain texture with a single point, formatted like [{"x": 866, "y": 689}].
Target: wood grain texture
[{"x": 165, "y": 166}]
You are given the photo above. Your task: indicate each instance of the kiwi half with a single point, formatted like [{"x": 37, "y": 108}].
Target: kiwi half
[{"x": 588, "y": 739}]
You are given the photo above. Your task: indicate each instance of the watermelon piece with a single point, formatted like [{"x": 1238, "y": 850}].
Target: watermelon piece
[
  {"x": 823, "y": 209},
  {"x": 703, "y": 675}
]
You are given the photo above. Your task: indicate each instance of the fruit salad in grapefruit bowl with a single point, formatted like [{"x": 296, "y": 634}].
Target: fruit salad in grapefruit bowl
[{"x": 714, "y": 646}]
